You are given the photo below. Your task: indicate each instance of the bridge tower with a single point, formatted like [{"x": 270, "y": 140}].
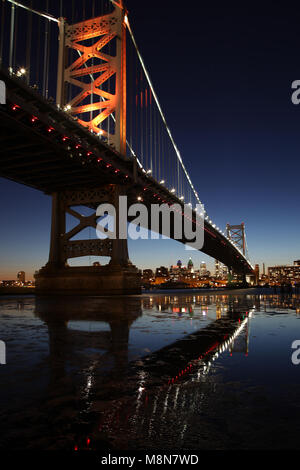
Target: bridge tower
[
  {"x": 91, "y": 78},
  {"x": 98, "y": 75},
  {"x": 236, "y": 233}
]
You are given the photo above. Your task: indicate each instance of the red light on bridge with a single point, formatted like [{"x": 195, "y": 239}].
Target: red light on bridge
[
  {"x": 64, "y": 138},
  {"x": 34, "y": 118},
  {"x": 15, "y": 107},
  {"x": 50, "y": 129}
]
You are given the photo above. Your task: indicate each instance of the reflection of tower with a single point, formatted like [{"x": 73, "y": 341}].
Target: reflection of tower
[
  {"x": 241, "y": 342},
  {"x": 218, "y": 309},
  {"x": 67, "y": 344}
]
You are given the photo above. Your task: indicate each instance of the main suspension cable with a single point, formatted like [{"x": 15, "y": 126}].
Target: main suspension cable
[
  {"x": 160, "y": 109},
  {"x": 45, "y": 15}
]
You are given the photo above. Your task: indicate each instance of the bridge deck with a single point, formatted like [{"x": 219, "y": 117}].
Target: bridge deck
[{"x": 44, "y": 148}]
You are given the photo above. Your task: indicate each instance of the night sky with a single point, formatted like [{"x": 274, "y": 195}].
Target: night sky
[{"x": 223, "y": 73}]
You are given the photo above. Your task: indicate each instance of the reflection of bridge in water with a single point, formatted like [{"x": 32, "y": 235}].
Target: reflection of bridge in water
[{"x": 91, "y": 336}]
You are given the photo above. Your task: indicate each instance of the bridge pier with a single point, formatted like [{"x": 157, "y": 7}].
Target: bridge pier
[{"x": 57, "y": 277}]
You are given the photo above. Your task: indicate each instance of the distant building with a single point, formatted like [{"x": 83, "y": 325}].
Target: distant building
[
  {"x": 224, "y": 271},
  {"x": 162, "y": 272},
  {"x": 285, "y": 273},
  {"x": 190, "y": 265},
  {"x": 148, "y": 274},
  {"x": 179, "y": 264},
  {"x": 202, "y": 269},
  {"x": 9, "y": 283},
  {"x": 21, "y": 276},
  {"x": 256, "y": 273},
  {"x": 217, "y": 269}
]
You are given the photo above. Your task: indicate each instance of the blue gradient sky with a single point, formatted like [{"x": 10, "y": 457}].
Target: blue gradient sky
[{"x": 223, "y": 74}]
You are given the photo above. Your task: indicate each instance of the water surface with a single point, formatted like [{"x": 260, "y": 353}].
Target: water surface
[{"x": 161, "y": 371}]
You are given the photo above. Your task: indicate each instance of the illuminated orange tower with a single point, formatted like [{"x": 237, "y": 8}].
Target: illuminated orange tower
[
  {"x": 91, "y": 86},
  {"x": 98, "y": 74}
]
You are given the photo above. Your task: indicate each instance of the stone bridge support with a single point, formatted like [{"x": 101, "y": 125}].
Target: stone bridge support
[{"x": 57, "y": 277}]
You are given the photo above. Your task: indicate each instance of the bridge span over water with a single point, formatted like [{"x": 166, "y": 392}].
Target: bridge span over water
[{"x": 104, "y": 136}]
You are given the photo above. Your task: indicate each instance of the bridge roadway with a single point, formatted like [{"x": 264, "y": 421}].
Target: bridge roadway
[{"x": 44, "y": 148}]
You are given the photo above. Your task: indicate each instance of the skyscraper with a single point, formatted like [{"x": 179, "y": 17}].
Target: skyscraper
[
  {"x": 190, "y": 265},
  {"x": 217, "y": 268},
  {"x": 203, "y": 268},
  {"x": 256, "y": 273},
  {"x": 21, "y": 276}
]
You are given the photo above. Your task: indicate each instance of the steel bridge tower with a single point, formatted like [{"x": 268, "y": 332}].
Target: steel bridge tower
[
  {"x": 99, "y": 72},
  {"x": 236, "y": 234}
]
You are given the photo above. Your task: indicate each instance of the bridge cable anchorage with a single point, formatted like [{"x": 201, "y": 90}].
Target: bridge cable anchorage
[
  {"x": 32, "y": 10},
  {"x": 159, "y": 108}
]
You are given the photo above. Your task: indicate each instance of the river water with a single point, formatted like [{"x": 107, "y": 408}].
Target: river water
[{"x": 163, "y": 371}]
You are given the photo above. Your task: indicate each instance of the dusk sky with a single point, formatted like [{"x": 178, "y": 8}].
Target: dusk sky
[{"x": 223, "y": 73}]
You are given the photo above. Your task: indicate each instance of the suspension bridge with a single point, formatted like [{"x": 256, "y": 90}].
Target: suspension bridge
[{"x": 82, "y": 123}]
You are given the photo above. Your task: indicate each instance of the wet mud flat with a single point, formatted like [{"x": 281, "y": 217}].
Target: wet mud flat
[{"x": 201, "y": 392}]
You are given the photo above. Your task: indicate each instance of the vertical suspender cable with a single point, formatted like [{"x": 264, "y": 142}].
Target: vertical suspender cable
[
  {"x": 12, "y": 35},
  {"x": 37, "y": 77},
  {"x": 2, "y": 31},
  {"x": 158, "y": 140},
  {"x": 71, "y": 52},
  {"x": 28, "y": 44},
  {"x": 15, "y": 39},
  {"x": 150, "y": 134},
  {"x": 155, "y": 141},
  {"x": 177, "y": 170},
  {"x": 131, "y": 96},
  {"x": 146, "y": 131},
  {"x": 160, "y": 110},
  {"x": 46, "y": 57},
  {"x": 141, "y": 117}
]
